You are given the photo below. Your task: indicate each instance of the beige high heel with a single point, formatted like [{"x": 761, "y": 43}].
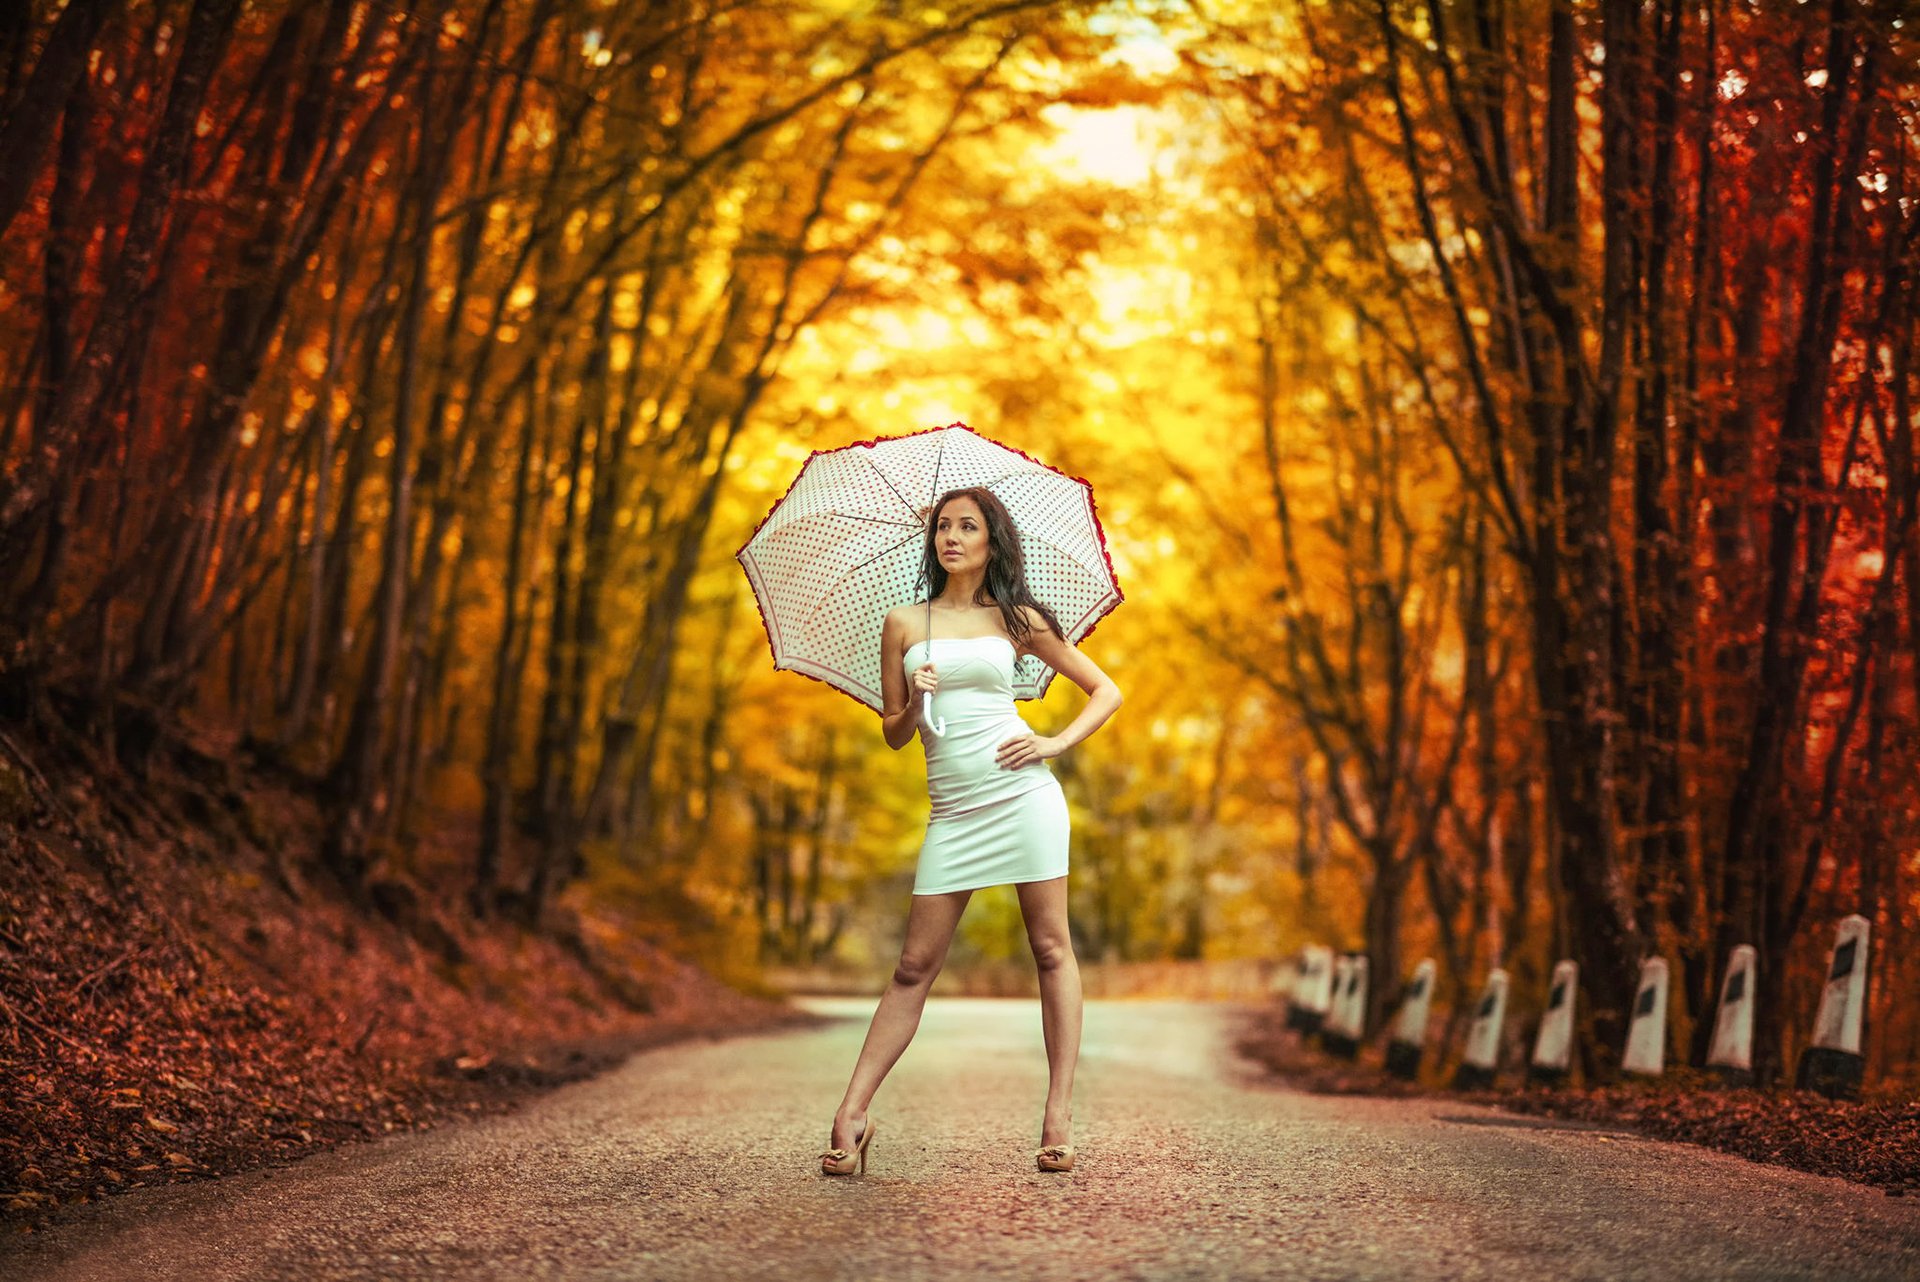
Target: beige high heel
[
  {"x": 838, "y": 1161},
  {"x": 1055, "y": 1157}
]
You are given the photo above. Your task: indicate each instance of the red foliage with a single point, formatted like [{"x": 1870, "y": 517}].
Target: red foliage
[
  {"x": 1873, "y": 1141},
  {"x": 176, "y": 1002}
]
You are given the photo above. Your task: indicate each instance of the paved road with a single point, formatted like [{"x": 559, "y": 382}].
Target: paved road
[{"x": 699, "y": 1161}]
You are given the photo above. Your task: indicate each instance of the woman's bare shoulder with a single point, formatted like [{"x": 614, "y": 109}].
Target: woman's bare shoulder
[
  {"x": 896, "y": 629},
  {"x": 893, "y": 628},
  {"x": 1035, "y": 620},
  {"x": 1036, "y": 627}
]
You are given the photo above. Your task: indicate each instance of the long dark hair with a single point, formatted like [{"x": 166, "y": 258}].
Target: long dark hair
[{"x": 1005, "y": 582}]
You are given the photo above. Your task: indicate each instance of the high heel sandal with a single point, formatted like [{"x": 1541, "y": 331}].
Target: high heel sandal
[
  {"x": 1054, "y": 1157},
  {"x": 839, "y": 1161}
]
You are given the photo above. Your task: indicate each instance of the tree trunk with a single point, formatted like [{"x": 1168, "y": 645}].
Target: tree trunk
[{"x": 356, "y": 781}]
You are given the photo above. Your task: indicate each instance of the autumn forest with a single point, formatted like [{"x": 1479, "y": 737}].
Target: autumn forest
[{"x": 1501, "y": 413}]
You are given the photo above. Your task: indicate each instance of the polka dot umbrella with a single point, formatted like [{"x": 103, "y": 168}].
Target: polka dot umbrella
[{"x": 847, "y": 543}]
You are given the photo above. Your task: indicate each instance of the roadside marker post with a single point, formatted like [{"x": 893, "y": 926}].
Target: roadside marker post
[
  {"x": 1312, "y": 989},
  {"x": 1553, "y": 1044},
  {"x": 1833, "y": 1064},
  {"x": 1410, "y": 1026},
  {"x": 1482, "y": 1060},
  {"x": 1346, "y": 1025},
  {"x": 1730, "y": 1055},
  {"x": 1647, "y": 1033}
]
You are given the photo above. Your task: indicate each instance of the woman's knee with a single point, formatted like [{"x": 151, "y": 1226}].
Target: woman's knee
[
  {"x": 915, "y": 970},
  {"x": 1051, "y": 952}
]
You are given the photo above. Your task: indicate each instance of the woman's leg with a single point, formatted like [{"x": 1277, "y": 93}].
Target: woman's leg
[
  {"x": 930, "y": 925},
  {"x": 1044, "y": 906}
]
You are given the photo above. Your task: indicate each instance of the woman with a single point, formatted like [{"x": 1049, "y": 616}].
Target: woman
[{"x": 997, "y": 814}]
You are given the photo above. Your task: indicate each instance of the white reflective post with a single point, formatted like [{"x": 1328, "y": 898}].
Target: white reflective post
[
  {"x": 1410, "y": 1026},
  {"x": 1346, "y": 1024},
  {"x": 1553, "y": 1044},
  {"x": 1482, "y": 1059},
  {"x": 1312, "y": 989},
  {"x": 1731, "y": 1053},
  {"x": 1833, "y": 1064},
  {"x": 1647, "y": 1034},
  {"x": 1336, "y": 1006}
]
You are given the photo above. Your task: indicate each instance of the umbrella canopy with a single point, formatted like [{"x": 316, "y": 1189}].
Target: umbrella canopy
[{"x": 846, "y": 543}]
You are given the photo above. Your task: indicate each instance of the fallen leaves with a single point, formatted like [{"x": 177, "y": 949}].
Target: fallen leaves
[
  {"x": 1869, "y": 1141},
  {"x": 165, "y": 1017}
]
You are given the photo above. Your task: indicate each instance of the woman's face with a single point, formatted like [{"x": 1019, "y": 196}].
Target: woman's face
[{"x": 960, "y": 537}]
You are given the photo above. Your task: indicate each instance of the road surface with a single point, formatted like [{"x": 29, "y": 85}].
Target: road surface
[{"x": 699, "y": 1160}]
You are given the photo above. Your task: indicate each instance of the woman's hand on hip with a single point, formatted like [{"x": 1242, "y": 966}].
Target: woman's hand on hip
[{"x": 1025, "y": 749}]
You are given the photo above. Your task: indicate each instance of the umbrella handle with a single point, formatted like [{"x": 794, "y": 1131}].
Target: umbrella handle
[{"x": 927, "y": 720}]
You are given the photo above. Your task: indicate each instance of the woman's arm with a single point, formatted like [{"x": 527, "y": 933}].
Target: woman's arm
[
  {"x": 902, "y": 717},
  {"x": 1103, "y": 696}
]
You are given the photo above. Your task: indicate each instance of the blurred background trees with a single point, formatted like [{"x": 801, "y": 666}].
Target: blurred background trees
[{"x": 1501, "y": 412}]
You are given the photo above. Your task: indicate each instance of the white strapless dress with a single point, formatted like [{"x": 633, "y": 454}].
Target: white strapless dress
[{"x": 987, "y": 825}]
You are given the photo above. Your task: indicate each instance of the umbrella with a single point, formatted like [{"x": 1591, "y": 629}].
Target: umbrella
[{"x": 847, "y": 541}]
